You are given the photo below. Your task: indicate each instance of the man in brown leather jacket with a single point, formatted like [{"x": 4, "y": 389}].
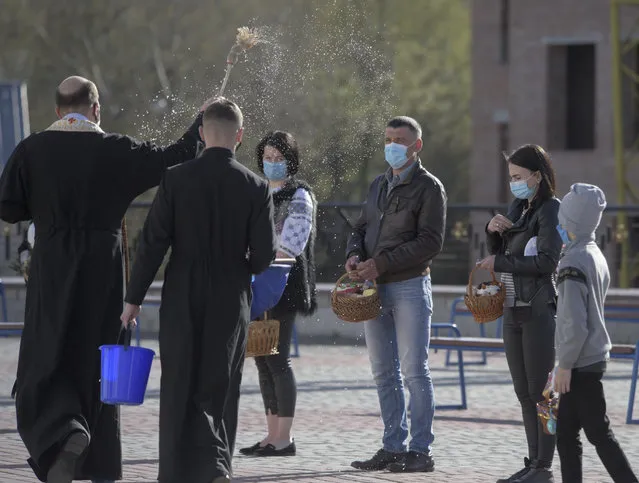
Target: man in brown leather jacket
[{"x": 399, "y": 232}]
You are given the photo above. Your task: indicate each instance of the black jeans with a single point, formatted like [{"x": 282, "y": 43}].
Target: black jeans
[
  {"x": 277, "y": 381},
  {"x": 585, "y": 407},
  {"x": 529, "y": 340}
]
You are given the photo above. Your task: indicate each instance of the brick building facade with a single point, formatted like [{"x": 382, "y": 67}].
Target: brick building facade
[{"x": 543, "y": 73}]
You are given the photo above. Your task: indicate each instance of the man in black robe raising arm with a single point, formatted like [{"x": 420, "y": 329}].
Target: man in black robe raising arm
[
  {"x": 76, "y": 183},
  {"x": 217, "y": 217}
]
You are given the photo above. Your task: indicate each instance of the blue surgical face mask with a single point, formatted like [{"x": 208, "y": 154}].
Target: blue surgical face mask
[
  {"x": 521, "y": 190},
  {"x": 275, "y": 171},
  {"x": 395, "y": 155},
  {"x": 564, "y": 235}
]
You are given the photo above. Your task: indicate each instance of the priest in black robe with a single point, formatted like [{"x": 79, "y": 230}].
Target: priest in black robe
[
  {"x": 217, "y": 217},
  {"x": 75, "y": 182}
]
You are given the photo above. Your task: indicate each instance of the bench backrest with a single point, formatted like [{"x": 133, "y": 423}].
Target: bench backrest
[{"x": 628, "y": 313}]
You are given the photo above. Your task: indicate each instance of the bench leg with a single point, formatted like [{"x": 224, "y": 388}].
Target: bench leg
[
  {"x": 462, "y": 386},
  {"x": 5, "y": 315},
  {"x": 296, "y": 353},
  {"x": 448, "y": 363},
  {"x": 482, "y": 333},
  {"x": 462, "y": 381},
  {"x": 484, "y": 358},
  {"x": 633, "y": 388}
]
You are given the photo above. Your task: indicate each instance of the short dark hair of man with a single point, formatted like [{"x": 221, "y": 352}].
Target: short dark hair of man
[
  {"x": 223, "y": 110},
  {"x": 286, "y": 144},
  {"x": 85, "y": 96},
  {"x": 405, "y": 121}
]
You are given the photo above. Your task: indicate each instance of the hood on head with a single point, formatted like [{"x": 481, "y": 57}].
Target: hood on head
[{"x": 581, "y": 209}]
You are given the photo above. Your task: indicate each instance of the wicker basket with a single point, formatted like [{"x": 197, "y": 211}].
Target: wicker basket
[
  {"x": 485, "y": 308},
  {"x": 355, "y": 309},
  {"x": 263, "y": 338}
]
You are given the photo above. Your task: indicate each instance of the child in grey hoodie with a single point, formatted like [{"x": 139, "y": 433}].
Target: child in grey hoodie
[{"x": 582, "y": 341}]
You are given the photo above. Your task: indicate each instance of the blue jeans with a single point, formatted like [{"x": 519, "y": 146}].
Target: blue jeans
[{"x": 398, "y": 341}]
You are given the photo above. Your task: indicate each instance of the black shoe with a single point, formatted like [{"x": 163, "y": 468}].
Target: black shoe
[
  {"x": 515, "y": 476},
  {"x": 63, "y": 469},
  {"x": 537, "y": 475},
  {"x": 270, "y": 450},
  {"x": 250, "y": 450},
  {"x": 222, "y": 479},
  {"x": 414, "y": 462},
  {"x": 380, "y": 461}
]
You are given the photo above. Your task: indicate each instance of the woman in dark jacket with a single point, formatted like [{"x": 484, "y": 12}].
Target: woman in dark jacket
[
  {"x": 525, "y": 247},
  {"x": 295, "y": 223}
]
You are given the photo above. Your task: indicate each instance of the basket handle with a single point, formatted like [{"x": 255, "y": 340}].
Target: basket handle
[{"x": 470, "y": 278}]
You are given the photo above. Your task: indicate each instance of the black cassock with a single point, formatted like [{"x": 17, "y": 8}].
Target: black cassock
[
  {"x": 76, "y": 186},
  {"x": 217, "y": 217}
]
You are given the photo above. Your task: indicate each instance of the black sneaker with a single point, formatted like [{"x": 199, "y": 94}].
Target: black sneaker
[
  {"x": 537, "y": 475},
  {"x": 515, "y": 476},
  {"x": 380, "y": 461},
  {"x": 414, "y": 462}
]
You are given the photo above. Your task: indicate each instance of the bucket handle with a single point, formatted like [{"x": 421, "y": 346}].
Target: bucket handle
[{"x": 126, "y": 342}]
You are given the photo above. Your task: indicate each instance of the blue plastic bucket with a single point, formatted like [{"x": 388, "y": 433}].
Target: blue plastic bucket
[{"x": 125, "y": 374}]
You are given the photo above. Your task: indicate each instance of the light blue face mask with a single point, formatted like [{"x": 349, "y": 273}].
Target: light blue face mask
[
  {"x": 521, "y": 190},
  {"x": 395, "y": 155},
  {"x": 564, "y": 235},
  {"x": 275, "y": 171}
]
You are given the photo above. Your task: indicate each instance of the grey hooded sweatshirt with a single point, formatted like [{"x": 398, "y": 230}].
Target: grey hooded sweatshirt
[{"x": 583, "y": 281}]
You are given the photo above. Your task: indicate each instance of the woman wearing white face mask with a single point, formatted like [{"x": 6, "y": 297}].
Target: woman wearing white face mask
[
  {"x": 531, "y": 295},
  {"x": 295, "y": 222}
]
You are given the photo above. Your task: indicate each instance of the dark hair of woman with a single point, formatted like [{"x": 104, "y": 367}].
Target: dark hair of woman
[
  {"x": 286, "y": 144},
  {"x": 535, "y": 159}
]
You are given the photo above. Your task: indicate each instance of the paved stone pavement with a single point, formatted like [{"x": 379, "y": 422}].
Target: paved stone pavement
[{"x": 338, "y": 421}]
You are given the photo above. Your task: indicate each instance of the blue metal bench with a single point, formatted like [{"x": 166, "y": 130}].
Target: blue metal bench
[
  {"x": 452, "y": 329},
  {"x": 11, "y": 328},
  {"x": 614, "y": 312},
  {"x": 458, "y": 309},
  {"x": 5, "y": 316},
  {"x": 617, "y": 312},
  {"x": 484, "y": 344}
]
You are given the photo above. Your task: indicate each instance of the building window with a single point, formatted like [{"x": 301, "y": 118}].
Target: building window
[
  {"x": 571, "y": 97},
  {"x": 504, "y": 24},
  {"x": 502, "y": 165}
]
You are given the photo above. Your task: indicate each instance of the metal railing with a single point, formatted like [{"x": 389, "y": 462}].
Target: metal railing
[{"x": 464, "y": 239}]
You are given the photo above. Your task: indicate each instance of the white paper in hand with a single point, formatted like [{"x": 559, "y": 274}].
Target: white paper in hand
[{"x": 531, "y": 247}]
